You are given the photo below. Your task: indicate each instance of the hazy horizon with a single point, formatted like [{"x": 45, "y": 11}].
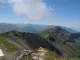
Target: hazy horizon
[{"x": 47, "y": 12}]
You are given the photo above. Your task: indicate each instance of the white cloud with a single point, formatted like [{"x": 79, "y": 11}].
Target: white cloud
[{"x": 32, "y": 9}]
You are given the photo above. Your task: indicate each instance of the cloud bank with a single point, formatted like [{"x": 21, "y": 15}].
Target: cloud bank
[{"x": 32, "y": 9}]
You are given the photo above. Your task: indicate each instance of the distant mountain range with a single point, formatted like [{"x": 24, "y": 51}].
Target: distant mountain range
[
  {"x": 33, "y": 28},
  {"x": 76, "y": 28}
]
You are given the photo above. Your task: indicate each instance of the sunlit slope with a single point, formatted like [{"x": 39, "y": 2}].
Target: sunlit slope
[
  {"x": 73, "y": 48},
  {"x": 44, "y": 33},
  {"x": 7, "y": 48}
]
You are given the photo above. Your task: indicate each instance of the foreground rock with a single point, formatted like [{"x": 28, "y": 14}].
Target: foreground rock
[{"x": 41, "y": 54}]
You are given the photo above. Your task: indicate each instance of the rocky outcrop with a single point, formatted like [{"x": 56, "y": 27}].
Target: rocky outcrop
[
  {"x": 18, "y": 55},
  {"x": 59, "y": 35},
  {"x": 41, "y": 54}
]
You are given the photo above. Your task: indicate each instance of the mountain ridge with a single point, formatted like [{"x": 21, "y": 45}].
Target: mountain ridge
[
  {"x": 63, "y": 40},
  {"x": 29, "y": 41}
]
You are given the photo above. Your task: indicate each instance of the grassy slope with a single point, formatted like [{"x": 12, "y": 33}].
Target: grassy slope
[
  {"x": 44, "y": 33},
  {"x": 71, "y": 51},
  {"x": 74, "y": 49},
  {"x": 7, "y": 47}
]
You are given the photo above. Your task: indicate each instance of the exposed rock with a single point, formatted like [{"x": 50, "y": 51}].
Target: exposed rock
[
  {"x": 18, "y": 55},
  {"x": 59, "y": 35},
  {"x": 41, "y": 54}
]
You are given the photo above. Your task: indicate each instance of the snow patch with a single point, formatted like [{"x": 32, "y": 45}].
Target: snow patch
[{"x": 1, "y": 53}]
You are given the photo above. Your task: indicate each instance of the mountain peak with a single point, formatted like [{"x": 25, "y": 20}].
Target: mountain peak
[
  {"x": 59, "y": 28},
  {"x": 56, "y": 27},
  {"x": 58, "y": 34}
]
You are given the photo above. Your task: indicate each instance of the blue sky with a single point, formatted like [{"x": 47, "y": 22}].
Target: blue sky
[{"x": 50, "y": 12}]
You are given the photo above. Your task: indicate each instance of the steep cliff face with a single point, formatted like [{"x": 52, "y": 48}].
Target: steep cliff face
[
  {"x": 30, "y": 41},
  {"x": 58, "y": 35}
]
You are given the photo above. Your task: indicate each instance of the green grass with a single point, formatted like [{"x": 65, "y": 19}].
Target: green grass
[
  {"x": 77, "y": 44},
  {"x": 66, "y": 59},
  {"x": 44, "y": 33},
  {"x": 7, "y": 47},
  {"x": 51, "y": 55},
  {"x": 71, "y": 51}
]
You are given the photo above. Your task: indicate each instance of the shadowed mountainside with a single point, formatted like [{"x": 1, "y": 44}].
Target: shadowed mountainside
[
  {"x": 65, "y": 41},
  {"x": 29, "y": 41},
  {"x": 58, "y": 35}
]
